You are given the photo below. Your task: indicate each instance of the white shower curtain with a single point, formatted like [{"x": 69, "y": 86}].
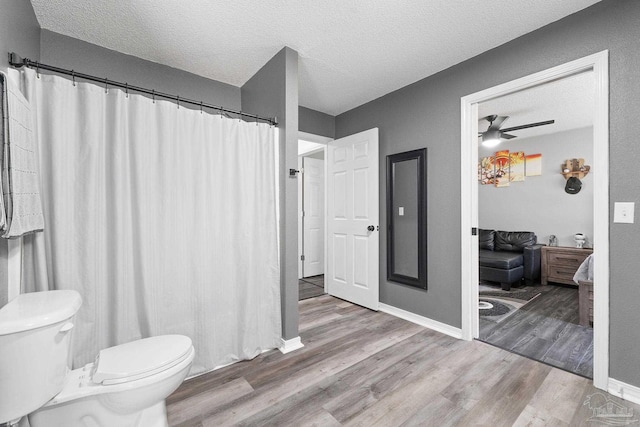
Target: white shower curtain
[{"x": 163, "y": 218}]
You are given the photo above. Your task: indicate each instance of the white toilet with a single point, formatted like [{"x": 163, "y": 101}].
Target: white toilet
[{"x": 125, "y": 386}]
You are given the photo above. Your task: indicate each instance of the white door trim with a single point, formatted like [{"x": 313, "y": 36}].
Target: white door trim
[
  {"x": 599, "y": 64},
  {"x": 320, "y": 140},
  {"x": 300, "y": 222},
  {"x": 313, "y": 181}
]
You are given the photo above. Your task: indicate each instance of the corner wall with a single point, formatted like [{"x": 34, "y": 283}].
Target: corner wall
[
  {"x": 20, "y": 33},
  {"x": 273, "y": 91},
  {"x": 427, "y": 114},
  {"x": 317, "y": 123}
]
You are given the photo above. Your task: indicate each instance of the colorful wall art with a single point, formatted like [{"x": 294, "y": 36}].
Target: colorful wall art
[
  {"x": 534, "y": 165},
  {"x": 516, "y": 166},
  {"x": 502, "y": 168},
  {"x": 506, "y": 167},
  {"x": 486, "y": 168}
]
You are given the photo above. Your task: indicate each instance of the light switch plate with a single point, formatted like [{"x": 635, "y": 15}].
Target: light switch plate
[
  {"x": 401, "y": 211},
  {"x": 623, "y": 212}
]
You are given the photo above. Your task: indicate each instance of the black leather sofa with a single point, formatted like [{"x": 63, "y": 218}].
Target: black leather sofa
[{"x": 509, "y": 257}]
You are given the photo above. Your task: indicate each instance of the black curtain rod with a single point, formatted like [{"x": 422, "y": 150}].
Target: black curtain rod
[{"x": 18, "y": 62}]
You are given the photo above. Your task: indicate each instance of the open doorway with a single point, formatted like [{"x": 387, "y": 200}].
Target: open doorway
[
  {"x": 529, "y": 214},
  {"x": 598, "y": 64},
  {"x": 311, "y": 216},
  {"x": 350, "y": 238}
]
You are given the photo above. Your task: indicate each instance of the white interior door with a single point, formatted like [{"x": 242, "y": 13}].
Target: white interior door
[
  {"x": 352, "y": 218},
  {"x": 313, "y": 216}
]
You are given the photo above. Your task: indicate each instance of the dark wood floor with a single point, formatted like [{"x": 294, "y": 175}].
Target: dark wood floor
[
  {"x": 546, "y": 329},
  {"x": 310, "y": 287},
  {"x": 360, "y": 367}
]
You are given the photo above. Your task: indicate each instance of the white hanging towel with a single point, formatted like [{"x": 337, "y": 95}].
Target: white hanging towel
[{"x": 22, "y": 210}]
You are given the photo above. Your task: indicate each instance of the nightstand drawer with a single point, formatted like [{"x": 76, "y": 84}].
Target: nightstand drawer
[
  {"x": 566, "y": 259},
  {"x": 562, "y": 274},
  {"x": 559, "y": 264}
]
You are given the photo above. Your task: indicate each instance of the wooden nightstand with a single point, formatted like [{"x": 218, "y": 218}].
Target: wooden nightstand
[{"x": 559, "y": 264}]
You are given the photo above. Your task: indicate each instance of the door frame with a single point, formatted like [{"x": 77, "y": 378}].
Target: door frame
[
  {"x": 324, "y": 140},
  {"x": 598, "y": 63}
]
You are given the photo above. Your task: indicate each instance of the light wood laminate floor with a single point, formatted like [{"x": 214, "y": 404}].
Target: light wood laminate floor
[{"x": 364, "y": 368}]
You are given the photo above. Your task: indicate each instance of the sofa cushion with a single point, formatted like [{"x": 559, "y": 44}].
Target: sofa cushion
[
  {"x": 485, "y": 239},
  {"x": 514, "y": 240},
  {"x": 503, "y": 260}
]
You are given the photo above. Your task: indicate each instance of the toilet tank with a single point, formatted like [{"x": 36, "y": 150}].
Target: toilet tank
[{"x": 35, "y": 347}]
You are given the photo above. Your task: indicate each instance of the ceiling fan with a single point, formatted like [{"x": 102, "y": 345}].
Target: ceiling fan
[{"x": 492, "y": 136}]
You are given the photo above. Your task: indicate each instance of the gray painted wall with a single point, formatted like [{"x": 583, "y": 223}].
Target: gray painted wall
[
  {"x": 67, "y": 52},
  {"x": 20, "y": 33},
  {"x": 273, "y": 91},
  {"x": 317, "y": 123},
  {"x": 427, "y": 114},
  {"x": 540, "y": 204}
]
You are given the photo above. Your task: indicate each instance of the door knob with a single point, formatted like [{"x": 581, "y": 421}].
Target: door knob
[{"x": 371, "y": 228}]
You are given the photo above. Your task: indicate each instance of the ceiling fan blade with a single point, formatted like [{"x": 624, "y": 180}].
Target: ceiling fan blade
[
  {"x": 530, "y": 125},
  {"x": 507, "y": 136},
  {"x": 497, "y": 121}
]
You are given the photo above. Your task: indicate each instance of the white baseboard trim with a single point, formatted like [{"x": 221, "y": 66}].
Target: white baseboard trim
[
  {"x": 625, "y": 391},
  {"x": 287, "y": 346},
  {"x": 422, "y": 321}
]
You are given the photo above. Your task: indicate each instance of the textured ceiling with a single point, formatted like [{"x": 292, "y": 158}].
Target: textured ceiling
[
  {"x": 351, "y": 52},
  {"x": 569, "y": 101}
]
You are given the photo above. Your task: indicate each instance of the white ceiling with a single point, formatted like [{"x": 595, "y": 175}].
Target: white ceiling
[
  {"x": 351, "y": 52},
  {"x": 569, "y": 101}
]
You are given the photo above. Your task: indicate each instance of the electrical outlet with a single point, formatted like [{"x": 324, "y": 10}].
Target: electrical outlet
[{"x": 623, "y": 212}]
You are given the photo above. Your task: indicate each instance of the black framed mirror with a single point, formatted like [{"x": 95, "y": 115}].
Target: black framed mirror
[{"x": 407, "y": 218}]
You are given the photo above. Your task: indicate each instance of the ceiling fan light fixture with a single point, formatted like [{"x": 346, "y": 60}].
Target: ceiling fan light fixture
[
  {"x": 490, "y": 142},
  {"x": 491, "y": 138}
]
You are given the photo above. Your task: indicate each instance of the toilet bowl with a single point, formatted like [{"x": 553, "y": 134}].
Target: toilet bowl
[{"x": 125, "y": 386}]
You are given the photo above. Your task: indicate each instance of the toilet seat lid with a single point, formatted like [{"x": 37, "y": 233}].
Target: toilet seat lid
[{"x": 140, "y": 358}]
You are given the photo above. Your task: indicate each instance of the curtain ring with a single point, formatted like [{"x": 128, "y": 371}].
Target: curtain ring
[
  {"x": 178, "y": 98},
  {"x": 106, "y": 82},
  {"x": 73, "y": 77},
  {"x": 201, "y": 107},
  {"x": 153, "y": 95},
  {"x": 240, "y": 117},
  {"x": 126, "y": 89},
  {"x": 220, "y": 108}
]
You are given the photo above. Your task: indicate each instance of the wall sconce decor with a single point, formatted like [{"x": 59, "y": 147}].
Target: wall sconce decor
[
  {"x": 575, "y": 167},
  {"x": 574, "y": 170}
]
